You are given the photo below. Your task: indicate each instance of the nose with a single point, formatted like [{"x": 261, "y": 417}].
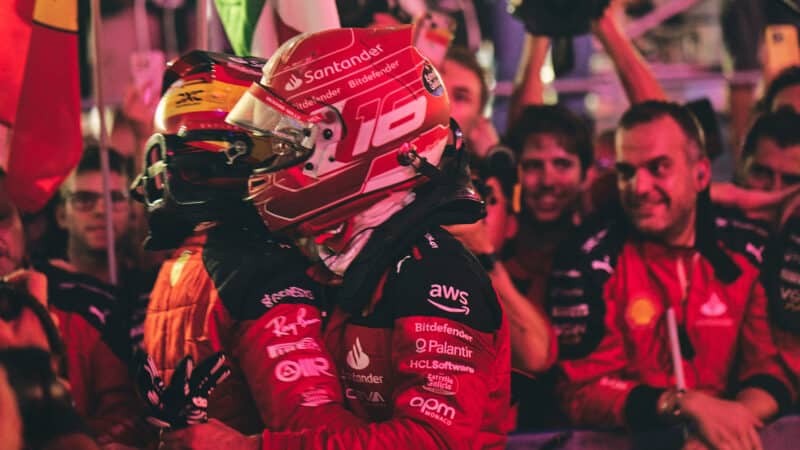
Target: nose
[
  {"x": 99, "y": 206},
  {"x": 548, "y": 177},
  {"x": 642, "y": 182}
]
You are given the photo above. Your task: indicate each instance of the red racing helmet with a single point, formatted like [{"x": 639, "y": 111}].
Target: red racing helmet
[
  {"x": 351, "y": 112},
  {"x": 197, "y": 165}
]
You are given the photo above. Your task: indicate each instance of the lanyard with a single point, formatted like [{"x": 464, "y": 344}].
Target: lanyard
[{"x": 679, "y": 344}]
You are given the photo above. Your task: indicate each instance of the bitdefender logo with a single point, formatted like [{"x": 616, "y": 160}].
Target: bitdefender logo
[
  {"x": 293, "y": 83},
  {"x": 356, "y": 358}
]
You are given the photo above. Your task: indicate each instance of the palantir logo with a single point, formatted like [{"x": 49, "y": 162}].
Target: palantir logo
[
  {"x": 293, "y": 83},
  {"x": 356, "y": 358}
]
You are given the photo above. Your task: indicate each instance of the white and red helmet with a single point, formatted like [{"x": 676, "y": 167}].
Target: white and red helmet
[{"x": 344, "y": 109}]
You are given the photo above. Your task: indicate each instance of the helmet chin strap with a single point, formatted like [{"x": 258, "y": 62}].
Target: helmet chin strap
[
  {"x": 338, "y": 248},
  {"x": 408, "y": 156}
]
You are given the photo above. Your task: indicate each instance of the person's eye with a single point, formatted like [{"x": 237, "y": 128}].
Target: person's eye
[
  {"x": 659, "y": 168},
  {"x": 625, "y": 171},
  {"x": 530, "y": 165},
  {"x": 461, "y": 98},
  {"x": 563, "y": 164},
  {"x": 759, "y": 171},
  {"x": 790, "y": 180},
  {"x": 118, "y": 196}
]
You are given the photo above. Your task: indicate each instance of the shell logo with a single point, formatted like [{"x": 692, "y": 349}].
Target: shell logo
[{"x": 642, "y": 312}]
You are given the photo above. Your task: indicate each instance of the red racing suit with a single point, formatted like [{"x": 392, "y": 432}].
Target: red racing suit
[
  {"x": 230, "y": 289},
  {"x": 422, "y": 350},
  {"x": 98, "y": 378},
  {"x": 781, "y": 275},
  {"x": 608, "y": 297}
]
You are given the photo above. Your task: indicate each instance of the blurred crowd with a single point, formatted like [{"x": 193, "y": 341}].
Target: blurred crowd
[{"x": 273, "y": 291}]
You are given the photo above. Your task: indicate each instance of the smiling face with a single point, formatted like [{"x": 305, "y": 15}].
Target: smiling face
[
  {"x": 551, "y": 177},
  {"x": 659, "y": 181}
]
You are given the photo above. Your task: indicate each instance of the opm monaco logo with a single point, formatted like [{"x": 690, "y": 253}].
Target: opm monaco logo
[{"x": 434, "y": 409}]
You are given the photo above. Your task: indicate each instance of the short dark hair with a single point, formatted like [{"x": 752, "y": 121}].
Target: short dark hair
[
  {"x": 90, "y": 162},
  {"x": 782, "y": 126},
  {"x": 651, "y": 110},
  {"x": 570, "y": 131},
  {"x": 466, "y": 58},
  {"x": 788, "y": 77}
]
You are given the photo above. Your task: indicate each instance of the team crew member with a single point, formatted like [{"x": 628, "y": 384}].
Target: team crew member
[
  {"x": 80, "y": 296},
  {"x": 417, "y": 332},
  {"x": 229, "y": 286},
  {"x": 771, "y": 164},
  {"x": 612, "y": 286}
]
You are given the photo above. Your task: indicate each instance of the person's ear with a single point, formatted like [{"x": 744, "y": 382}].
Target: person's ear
[
  {"x": 702, "y": 174},
  {"x": 61, "y": 216},
  {"x": 511, "y": 227}
]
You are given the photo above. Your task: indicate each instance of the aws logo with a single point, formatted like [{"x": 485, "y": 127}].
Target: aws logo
[{"x": 445, "y": 292}]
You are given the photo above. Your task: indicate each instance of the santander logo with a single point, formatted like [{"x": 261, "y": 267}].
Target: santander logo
[
  {"x": 443, "y": 291},
  {"x": 356, "y": 358},
  {"x": 293, "y": 83}
]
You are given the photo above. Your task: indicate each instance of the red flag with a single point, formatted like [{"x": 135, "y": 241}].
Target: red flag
[
  {"x": 46, "y": 139},
  {"x": 13, "y": 50}
]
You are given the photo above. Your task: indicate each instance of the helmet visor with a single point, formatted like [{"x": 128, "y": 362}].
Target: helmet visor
[
  {"x": 293, "y": 133},
  {"x": 184, "y": 168}
]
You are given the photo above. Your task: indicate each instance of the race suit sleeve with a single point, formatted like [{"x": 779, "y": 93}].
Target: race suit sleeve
[
  {"x": 269, "y": 321},
  {"x": 574, "y": 296},
  {"x": 450, "y": 361},
  {"x": 760, "y": 364},
  {"x": 116, "y": 407},
  {"x": 781, "y": 274},
  {"x": 592, "y": 388}
]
